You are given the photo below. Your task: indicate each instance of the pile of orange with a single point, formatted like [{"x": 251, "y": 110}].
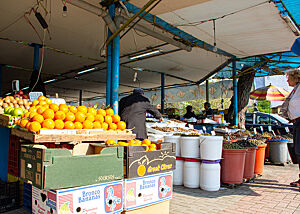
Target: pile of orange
[
  {"x": 146, "y": 142},
  {"x": 43, "y": 114}
]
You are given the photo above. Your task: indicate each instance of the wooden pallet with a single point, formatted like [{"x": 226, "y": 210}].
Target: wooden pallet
[{"x": 78, "y": 136}]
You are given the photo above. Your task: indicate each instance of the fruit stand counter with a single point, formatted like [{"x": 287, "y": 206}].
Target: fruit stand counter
[
  {"x": 4, "y": 120},
  {"x": 74, "y": 135}
]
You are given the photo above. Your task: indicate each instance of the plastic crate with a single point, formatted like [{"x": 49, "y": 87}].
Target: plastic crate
[
  {"x": 14, "y": 155},
  {"x": 27, "y": 203},
  {"x": 9, "y": 196}
]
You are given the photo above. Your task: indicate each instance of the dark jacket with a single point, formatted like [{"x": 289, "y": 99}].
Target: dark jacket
[
  {"x": 133, "y": 110},
  {"x": 189, "y": 115}
]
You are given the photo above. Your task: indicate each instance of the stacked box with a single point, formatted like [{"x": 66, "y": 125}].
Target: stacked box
[
  {"x": 99, "y": 198},
  {"x": 9, "y": 195},
  {"x": 27, "y": 203},
  {"x": 148, "y": 190},
  {"x": 138, "y": 162},
  {"x": 88, "y": 163}
]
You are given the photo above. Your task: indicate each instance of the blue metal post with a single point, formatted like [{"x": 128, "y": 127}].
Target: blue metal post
[
  {"x": 36, "y": 57},
  {"x": 162, "y": 98},
  {"x": 115, "y": 74},
  {"x": 111, "y": 11},
  {"x": 1, "y": 79},
  {"x": 235, "y": 100}
]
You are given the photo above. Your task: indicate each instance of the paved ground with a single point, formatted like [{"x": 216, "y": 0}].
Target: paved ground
[{"x": 270, "y": 193}]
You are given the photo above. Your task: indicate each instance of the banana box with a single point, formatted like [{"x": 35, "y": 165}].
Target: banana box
[
  {"x": 138, "y": 162},
  {"x": 93, "y": 199},
  {"x": 148, "y": 190}
]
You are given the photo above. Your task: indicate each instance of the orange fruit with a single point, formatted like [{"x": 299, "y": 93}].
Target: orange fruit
[
  {"x": 147, "y": 142},
  {"x": 121, "y": 125},
  {"x": 38, "y": 118},
  {"x": 42, "y": 98},
  {"x": 116, "y": 118},
  {"x": 87, "y": 124},
  {"x": 78, "y": 125},
  {"x": 48, "y": 124},
  {"x": 60, "y": 115},
  {"x": 24, "y": 122},
  {"x": 48, "y": 114},
  {"x": 48, "y": 101},
  {"x": 82, "y": 109},
  {"x": 97, "y": 125},
  {"x": 138, "y": 142},
  {"x": 35, "y": 126},
  {"x": 99, "y": 118},
  {"x": 101, "y": 111},
  {"x": 113, "y": 126},
  {"x": 31, "y": 115},
  {"x": 147, "y": 148},
  {"x": 46, "y": 106},
  {"x": 42, "y": 103},
  {"x": 92, "y": 111},
  {"x": 109, "y": 112},
  {"x": 70, "y": 116},
  {"x": 26, "y": 115},
  {"x": 41, "y": 110},
  {"x": 110, "y": 141},
  {"x": 63, "y": 108},
  {"x": 73, "y": 109},
  {"x": 80, "y": 117},
  {"x": 131, "y": 143},
  {"x": 90, "y": 117},
  {"x": 108, "y": 119},
  {"x": 59, "y": 124},
  {"x": 69, "y": 125},
  {"x": 152, "y": 147},
  {"x": 105, "y": 126},
  {"x": 27, "y": 125},
  {"x": 54, "y": 107},
  {"x": 32, "y": 109},
  {"x": 35, "y": 103}
]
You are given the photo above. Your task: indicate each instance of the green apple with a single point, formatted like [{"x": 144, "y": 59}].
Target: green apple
[{"x": 17, "y": 112}]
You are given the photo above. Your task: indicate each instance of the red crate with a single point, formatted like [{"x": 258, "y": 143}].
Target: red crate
[{"x": 14, "y": 155}]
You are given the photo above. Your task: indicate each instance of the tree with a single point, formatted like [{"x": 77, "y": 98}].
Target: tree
[{"x": 243, "y": 93}]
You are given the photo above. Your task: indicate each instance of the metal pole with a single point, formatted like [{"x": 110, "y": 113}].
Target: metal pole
[
  {"x": 36, "y": 57},
  {"x": 80, "y": 97},
  {"x": 235, "y": 100},
  {"x": 162, "y": 97},
  {"x": 111, "y": 11},
  {"x": 115, "y": 72},
  {"x": 1, "y": 66},
  {"x": 207, "y": 91}
]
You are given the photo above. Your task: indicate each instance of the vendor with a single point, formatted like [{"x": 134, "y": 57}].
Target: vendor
[
  {"x": 208, "y": 112},
  {"x": 189, "y": 113}
]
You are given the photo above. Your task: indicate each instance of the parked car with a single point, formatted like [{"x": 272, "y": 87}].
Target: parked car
[{"x": 259, "y": 119}]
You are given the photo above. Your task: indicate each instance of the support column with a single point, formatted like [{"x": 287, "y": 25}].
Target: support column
[
  {"x": 162, "y": 97},
  {"x": 80, "y": 97},
  {"x": 115, "y": 72},
  {"x": 111, "y": 11},
  {"x": 1, "y": 67},
  {"x": 235, "y": 100},
  {"x": 207, "y": 90}
]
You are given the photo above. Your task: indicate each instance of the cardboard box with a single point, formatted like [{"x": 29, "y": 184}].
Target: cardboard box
[
  {"x": 139, "y": 162},
  {"x": 86, "y": 164},
  {"x": 141, "y": 192},
  {"x": 160, "y": 208},
  {"x": 99, "y": 198}
]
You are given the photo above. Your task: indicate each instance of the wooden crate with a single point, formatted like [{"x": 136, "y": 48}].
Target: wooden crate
[
  {"x": 160, "y": 208},
  {"x": 4, "y": 120},
  {"x": 73, "y": 135}
]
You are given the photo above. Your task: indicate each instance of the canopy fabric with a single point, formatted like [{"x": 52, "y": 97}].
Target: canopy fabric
[{"x": 271, "y": 93}]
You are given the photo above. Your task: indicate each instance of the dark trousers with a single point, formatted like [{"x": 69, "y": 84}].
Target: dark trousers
[{"x": 296, "y": 136}]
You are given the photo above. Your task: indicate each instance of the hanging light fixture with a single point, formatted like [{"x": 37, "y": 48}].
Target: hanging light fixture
[
  {"x": 65, "y": 9},
  {"x": 215, "y": 49}
]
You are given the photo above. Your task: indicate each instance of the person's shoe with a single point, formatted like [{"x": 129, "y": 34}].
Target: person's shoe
[{"x": 295, "y": 183}]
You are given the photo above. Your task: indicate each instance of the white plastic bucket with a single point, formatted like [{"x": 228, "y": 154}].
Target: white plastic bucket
[
  {"x": 191, "y": 173},
  {"x": 210, "y": 175},
  {"x": 174, "y": 139},
  {"x": 156, "y": 137},
  {"x": 178, "y": 172},
  {"x": 211, "y": 147},
  {"x": 189, "y": 147}
]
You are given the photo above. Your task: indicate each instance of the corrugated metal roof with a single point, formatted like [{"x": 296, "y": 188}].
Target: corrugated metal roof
[{"x": 293, "y": 6}]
